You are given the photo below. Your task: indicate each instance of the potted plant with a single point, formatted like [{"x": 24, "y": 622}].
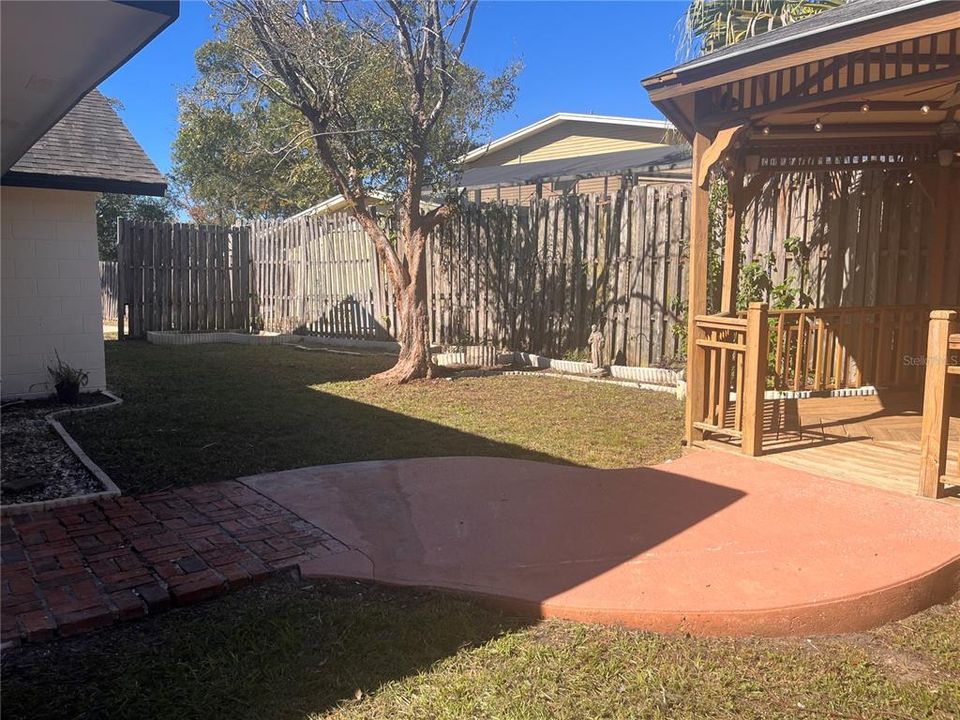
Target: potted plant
[{"x": 67, "y": 381}]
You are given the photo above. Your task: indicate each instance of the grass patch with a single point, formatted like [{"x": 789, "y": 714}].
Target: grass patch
[
  {"x": 353, "y": 652},
  {"x": 213, "y": 412}
]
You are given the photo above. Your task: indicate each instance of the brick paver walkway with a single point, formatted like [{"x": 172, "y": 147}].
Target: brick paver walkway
[{"x": 78, "y": 568}]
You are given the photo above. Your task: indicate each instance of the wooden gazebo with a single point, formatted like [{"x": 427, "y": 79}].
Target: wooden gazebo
[{"x": 870, "y": 87}]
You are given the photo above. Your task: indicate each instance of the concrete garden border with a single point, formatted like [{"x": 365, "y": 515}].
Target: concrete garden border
[
  {"x": 110, "y": 488},
  {"x": 647, "y": 378},
  {"x": 652, "y": 376}
]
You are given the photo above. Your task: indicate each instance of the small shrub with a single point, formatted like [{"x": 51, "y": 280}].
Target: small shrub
[
  {"x": 67, "y": 380},
  {"x": 576, "y": 355}
]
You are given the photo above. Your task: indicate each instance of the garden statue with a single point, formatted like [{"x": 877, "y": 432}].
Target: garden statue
[{"x": 596, "y": 346}]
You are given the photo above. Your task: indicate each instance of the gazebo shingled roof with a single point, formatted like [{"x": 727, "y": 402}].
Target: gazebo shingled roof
[{"x": 864, "y": 48}]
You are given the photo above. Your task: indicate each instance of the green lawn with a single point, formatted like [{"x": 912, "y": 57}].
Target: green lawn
[
  {"x": 214, "y": 412},
  {"x": 351, "y": 652},
  {"x": 348, "y": 651}
]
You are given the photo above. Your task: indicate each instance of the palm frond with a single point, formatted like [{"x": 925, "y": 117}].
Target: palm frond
[{"x": 709, "y": 25}]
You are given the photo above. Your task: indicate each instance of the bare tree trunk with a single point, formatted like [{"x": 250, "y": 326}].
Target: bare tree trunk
[{"x": 413, "y": 331}]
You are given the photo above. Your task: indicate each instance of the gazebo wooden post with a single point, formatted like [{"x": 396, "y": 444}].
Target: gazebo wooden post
[
  {"x": 946, "y": 196},
  {"x": 731, "y": 241},
  {"x": 697, "y": 291},
  {"x": 936, "y": 402},
  {"x": 755, "y": 378}
]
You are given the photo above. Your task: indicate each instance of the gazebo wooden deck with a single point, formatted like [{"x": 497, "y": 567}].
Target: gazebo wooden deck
[
  {"x": 873, "y": 439},
  {"x": 870, "y": 88}
]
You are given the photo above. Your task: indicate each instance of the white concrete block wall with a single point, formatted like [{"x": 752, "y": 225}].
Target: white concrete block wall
[{"x": 49, "y": 288}]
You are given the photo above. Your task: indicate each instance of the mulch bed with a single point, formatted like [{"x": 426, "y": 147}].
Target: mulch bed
[{"x": 35, "y": 463}]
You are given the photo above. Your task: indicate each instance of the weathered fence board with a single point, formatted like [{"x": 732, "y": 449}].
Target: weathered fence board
[
  {"x": 108, "y": 289},
  {"x": 172, "y": 276}
]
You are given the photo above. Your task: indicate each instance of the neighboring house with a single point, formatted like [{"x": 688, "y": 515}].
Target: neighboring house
[
  {"x": 62, "y": 145},
  {"x": 572, "y": 152},
  {"x": 339, "y": 203},
  {"x": 563, "y": 153}
]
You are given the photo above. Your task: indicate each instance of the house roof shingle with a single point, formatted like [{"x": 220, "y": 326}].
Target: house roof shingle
[{"x": 89, "y": 149}]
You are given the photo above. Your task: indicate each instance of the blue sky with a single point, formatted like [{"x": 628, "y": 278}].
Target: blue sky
[{"x": 578, "y": 57}]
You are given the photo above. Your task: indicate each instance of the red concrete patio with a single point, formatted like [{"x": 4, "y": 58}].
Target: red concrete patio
[{"x": 712, "y": 543}]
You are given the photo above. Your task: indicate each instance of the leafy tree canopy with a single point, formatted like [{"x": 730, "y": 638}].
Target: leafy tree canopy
[
  {"x": 348, "y": 51},
  {"x": 236, "y": 155},
  {"x": 111, "y": 206}
]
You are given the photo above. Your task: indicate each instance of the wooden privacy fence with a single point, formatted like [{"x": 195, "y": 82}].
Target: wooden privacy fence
[
  {"x": 108, "y": 289},
  {"x": 318, "y": 275},
  {"x": 536, "y": 277},
  {"x": 182, "y": 277},
  {"x": 868, "y": 237},
  {"x": 532, "y": 277}
]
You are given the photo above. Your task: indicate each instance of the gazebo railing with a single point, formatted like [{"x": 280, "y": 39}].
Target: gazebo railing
[
  {"x": 734, "y": 350},
  {"x": 847, "y": 348},
  {"x": 940, "y": 380}
]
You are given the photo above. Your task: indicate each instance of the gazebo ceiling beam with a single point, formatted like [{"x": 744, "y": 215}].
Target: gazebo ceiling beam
[
  {"x": 779, "y": 132},
  {"x": 879, "y": 106},
  {"x": 811, "y": 168},
  {"x": 722, "y": 118},
  {"x": 875, "y": 143},
  {"x": 818, "y": 153}
]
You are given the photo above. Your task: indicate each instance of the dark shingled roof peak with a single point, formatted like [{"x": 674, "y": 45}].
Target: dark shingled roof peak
[{"x": 89, "y": 149}]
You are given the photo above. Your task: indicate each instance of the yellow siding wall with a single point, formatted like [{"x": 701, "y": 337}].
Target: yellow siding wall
[
  {"x": 573, "y": 139},
  {"x": 523, "y": 194},
  {"x": 513, "y": 194}
]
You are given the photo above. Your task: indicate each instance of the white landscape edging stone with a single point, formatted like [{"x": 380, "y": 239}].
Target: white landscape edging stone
[
  {"x": 648, "y": 377},
  {"x": 110, "y": 488},
  {"x": 459, "y": 357},
  {"x": 804, "y": 394}
]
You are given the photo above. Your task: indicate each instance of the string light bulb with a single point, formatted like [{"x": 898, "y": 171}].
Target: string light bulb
[
  {"x": 766, "y": 130},
  {"x": 818, "y": 126},
  {"x": 925, "y": 108},
  {"x": 865, "y": 107}
]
